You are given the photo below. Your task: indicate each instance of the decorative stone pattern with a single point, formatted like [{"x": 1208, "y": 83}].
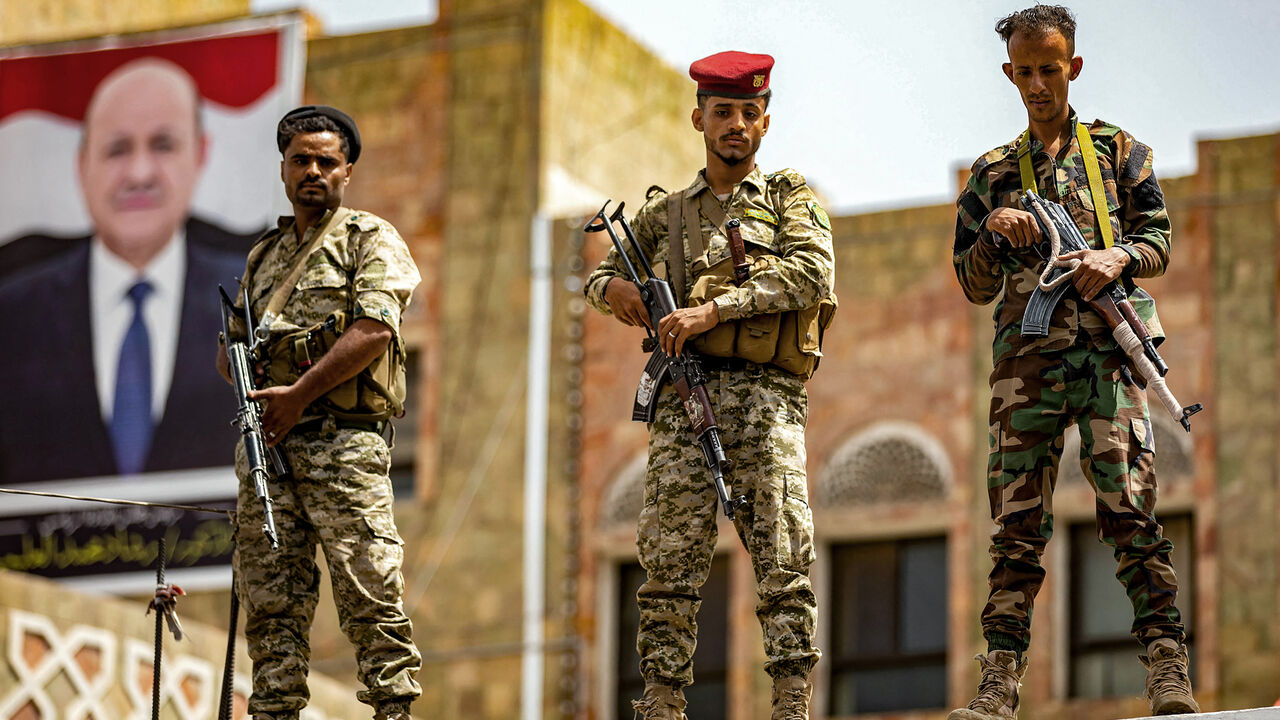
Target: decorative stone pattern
[
  {"x": 889, "y": 462},
  {"x": 64, "y": 655}
]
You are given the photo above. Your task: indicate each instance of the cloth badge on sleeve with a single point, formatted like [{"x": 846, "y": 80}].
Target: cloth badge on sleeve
[{"x": 820, "y": 215}]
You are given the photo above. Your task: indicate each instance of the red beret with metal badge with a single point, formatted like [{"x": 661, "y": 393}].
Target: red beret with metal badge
[{"x": 732, "y": 74}]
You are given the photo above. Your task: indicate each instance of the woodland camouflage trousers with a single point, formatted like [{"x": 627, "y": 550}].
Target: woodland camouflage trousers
[{"x": 1034, "y": 398}]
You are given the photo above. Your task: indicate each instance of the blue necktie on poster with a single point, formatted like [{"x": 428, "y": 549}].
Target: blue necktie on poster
[{"x": 131, "y": 424}]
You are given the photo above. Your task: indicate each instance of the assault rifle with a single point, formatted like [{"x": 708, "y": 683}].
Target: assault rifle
[
  {"x": 685, "y": 371},
  {"x": 1112, "y": 303},
  {"x": 264, "y": 462}
]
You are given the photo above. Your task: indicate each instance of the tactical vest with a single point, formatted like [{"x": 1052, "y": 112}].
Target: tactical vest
[
  {"x": 789, "y": 340},
  {"x": 376, "y": 392}
]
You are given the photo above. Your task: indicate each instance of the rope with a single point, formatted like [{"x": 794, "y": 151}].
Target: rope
[
  {"x": 116, "y": 501},
  {"x": 1055, "y": 248}
]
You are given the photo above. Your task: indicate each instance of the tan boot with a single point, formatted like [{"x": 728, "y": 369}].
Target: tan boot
[
  {"x": 1168, "y": 685},
  {"x": 660, "y": 702},
  {"x": 997, "y": 697},
  {"x": 791, "y": 698}
]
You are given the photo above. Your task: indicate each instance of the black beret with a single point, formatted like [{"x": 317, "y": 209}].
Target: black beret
[{"x": 342, "y": 119}]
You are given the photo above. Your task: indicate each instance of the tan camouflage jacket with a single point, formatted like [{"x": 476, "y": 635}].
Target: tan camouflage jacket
[
  {"x": 778, "y": 211},
  {"x": 1140, "y": 226},
  {"x": 362, "y": 266}
]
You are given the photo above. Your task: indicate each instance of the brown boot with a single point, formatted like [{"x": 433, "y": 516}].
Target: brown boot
[
  {"x": 660, "y": 702},
  {"x": 791, "y": 698},
  {"x": 997, "y": 697},
  {"x": 1168, "y": 686}
]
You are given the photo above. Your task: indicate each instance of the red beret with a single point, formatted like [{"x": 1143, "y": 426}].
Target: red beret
[{"x": 732, "y": 74}]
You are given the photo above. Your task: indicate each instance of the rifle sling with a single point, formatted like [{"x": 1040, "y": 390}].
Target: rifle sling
[
  {"x": 1091, "y": 168},
  {"x": 675, "y": 248},
  {"x": 276, "y": 303}
]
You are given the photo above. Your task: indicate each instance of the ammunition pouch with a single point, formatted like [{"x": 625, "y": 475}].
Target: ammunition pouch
[
  {"x": 376, "y": 393},
  {"x": 790, "y": 340}
]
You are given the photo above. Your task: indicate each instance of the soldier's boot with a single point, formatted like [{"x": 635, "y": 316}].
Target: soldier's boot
[
  {"x": 997, "y": 697},
  {"x": 791, "y": 698},
  {"x": 660, "y": 702},
  {"x": 1168, "y": 685}
]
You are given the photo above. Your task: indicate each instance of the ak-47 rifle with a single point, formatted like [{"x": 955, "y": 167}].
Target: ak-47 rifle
[
  {"x": 1112, "y": 303},
  {"x": 264, "y": 462},
  {"x": 684, "y": 371}
]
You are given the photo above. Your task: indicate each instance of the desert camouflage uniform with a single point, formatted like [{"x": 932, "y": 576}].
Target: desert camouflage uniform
[
  {"x": 1039, "y": 386},
  {"x": 761, "y": 411},
  {"x": 339, "y": 495}
]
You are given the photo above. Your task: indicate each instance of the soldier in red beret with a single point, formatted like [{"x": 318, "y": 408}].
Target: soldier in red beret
[{"x": 756, "y": 373}]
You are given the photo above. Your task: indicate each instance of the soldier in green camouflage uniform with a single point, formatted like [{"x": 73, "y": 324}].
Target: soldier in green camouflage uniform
[
  {"x": 1040, "y": 386},
  {"x": 760, "y": 409},
  {"x": 338, "y": 495}
]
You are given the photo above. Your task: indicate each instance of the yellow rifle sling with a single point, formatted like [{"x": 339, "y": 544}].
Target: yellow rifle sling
[{"x": 1091, "y": 169}]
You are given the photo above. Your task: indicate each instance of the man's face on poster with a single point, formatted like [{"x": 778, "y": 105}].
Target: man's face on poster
[{"x": 141, "y": 156}]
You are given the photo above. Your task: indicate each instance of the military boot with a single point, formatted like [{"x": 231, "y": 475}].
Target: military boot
[
  {"x": 1168, "y": 686},
  {"x": 997, "y": 697},
  {"x": 791, "y": 698},
  {"x": 660, "y": 702}
]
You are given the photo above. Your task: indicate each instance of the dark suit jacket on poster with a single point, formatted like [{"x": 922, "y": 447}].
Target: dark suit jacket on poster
[{"x": 51, "y": 426}]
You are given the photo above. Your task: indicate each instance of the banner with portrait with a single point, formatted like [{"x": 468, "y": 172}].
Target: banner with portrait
[{"x": 138, "y": 171}]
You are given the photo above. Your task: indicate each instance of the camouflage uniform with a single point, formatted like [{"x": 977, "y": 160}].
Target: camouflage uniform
[
  {"x": 761, "y": 411},
  {"x": 1039, "y": 386},
  {"x": 339, "y": 495}
]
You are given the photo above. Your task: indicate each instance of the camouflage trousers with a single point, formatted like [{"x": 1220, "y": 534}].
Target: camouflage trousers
[
  {"x": 340, "y": 499},
  {"x": 1034, "y": 398},
  {"x": 761, "y": 412}
]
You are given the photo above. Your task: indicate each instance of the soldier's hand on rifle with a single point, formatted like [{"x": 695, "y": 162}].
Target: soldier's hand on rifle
[
  {"x": 624, "y": 300},
  {"x": 678, "y": 327},
  {"x": 1017, "y": 226},
  {"x": 284, "y": 406},
  {"x": 1097, "y": 269}
]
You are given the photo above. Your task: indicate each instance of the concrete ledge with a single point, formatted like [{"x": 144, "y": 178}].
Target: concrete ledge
[{"x": 1271, "y": 713}]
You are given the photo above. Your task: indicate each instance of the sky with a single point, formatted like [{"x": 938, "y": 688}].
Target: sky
[{"x": 878, "y": 104}]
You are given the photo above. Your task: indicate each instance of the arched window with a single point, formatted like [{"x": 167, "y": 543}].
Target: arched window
[
  {"x": 625, "y": 496},
  {"x": 888, "y": 462}
]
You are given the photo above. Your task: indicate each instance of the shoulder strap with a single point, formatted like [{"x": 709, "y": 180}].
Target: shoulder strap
[
  {"x": 1091, "y": 169},
  {"x": 1094, "y": 172},
  {"x": 675, "y": 246},
  {"x": 693, "y": 226},
  {"x": 1024, "y": 163},
  {"x": 276, "y": 303}
]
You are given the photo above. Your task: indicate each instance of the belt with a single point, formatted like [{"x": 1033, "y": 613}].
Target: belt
[
  {"x": 317, "y": 425},
  {"x": 716, "y": 364}
]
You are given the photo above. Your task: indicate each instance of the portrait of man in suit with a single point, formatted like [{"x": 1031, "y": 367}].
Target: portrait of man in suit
[{"x": 107, "y": 368}]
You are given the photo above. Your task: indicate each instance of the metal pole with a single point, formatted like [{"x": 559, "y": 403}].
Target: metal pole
[{"x": 535, "y": 467}]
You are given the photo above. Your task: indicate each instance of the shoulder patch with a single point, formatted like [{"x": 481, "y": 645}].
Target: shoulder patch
[
  {"x": 364, "y": 221},
  {"x": 788, "y": 175},
  {"x": 761, "y": 214},
  {"x": 819, "y": 215}
]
